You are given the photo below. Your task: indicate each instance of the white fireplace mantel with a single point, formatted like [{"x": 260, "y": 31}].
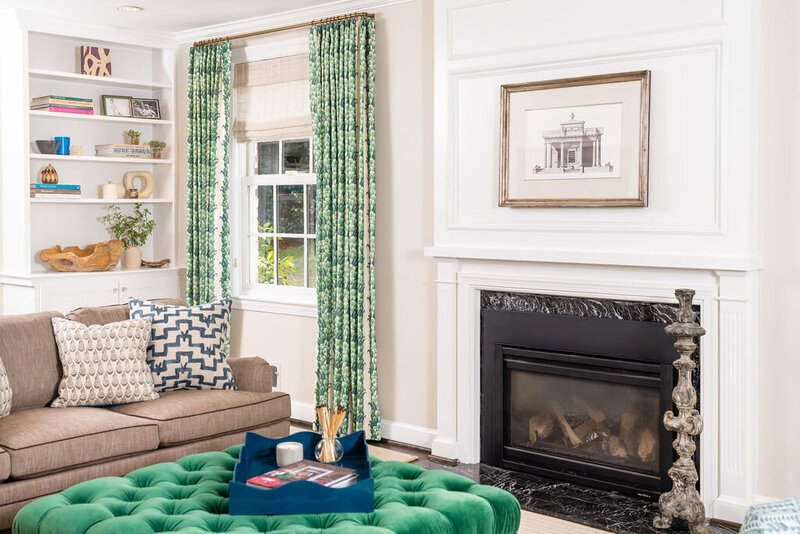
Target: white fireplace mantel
[{"x": 726, "y": 298}]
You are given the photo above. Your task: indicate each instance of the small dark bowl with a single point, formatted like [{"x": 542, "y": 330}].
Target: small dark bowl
[{"x": 47, "y": 147}]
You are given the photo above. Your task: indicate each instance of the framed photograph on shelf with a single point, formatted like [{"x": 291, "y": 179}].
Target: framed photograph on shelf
[
  {"x": 116, "y": 106},
  {"x": 146, "y": 108},
  {"x": 575, "y": 142}
]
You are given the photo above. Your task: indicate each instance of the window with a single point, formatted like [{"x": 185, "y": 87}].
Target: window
[
  {"x": 273, "y": 185},
  {"x": 280, "y": 188},
  {"x": 571, "y": 155}
]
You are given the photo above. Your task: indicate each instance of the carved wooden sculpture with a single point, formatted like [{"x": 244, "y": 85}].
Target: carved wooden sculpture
[
  {"x": 102, "y": 256},
  {"x": 683, "y": 501}
]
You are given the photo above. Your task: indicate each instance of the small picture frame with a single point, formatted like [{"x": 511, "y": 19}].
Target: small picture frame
[
  {"x": 116, "y": 106},
  {"x": 146, "y": 108}
]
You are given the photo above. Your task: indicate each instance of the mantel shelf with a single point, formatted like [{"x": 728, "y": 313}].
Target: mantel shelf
[
  {"x": 108, "y": 80},
  {"x": 41, "y": 200},
  {"x": 99, "y": 159},
  {"x": 96, "y": 118}
]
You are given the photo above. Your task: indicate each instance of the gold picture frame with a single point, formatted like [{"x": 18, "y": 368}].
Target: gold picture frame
[{"x": 538, "y": 125}]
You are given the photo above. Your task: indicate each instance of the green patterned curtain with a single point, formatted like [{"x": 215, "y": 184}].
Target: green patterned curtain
[
  {"x": 207, "y": 241},
  {"x": 342, "y": 79}
]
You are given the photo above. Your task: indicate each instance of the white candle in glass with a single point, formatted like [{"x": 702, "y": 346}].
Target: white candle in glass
[{"x": 288, "y": 452}]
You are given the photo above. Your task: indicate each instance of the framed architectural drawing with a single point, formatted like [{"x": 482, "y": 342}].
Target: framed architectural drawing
[{"x": 576, "y": 141}]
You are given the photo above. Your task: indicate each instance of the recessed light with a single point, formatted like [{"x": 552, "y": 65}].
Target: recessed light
[{"x": 129, "y": 9}]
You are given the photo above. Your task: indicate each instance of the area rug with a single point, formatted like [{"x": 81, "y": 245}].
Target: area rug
[{"x": 539, "y": 524}]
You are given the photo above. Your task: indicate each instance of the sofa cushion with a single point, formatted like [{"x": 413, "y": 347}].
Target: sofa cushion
[
  {"x": 29, "y": 354},
  {"x": 5, "y": 392},
  {"x": 5, "y": 465},
  {"x": 111, "y": 314},
  {"x": 103, "y": 364},
  {"x": 188, "y": 415},
  {"x": 41, "y": 440},
  {"x": 186, "y": 346}
]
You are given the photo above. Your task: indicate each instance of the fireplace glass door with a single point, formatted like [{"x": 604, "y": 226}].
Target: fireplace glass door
[{"x": 602, "y": 422}]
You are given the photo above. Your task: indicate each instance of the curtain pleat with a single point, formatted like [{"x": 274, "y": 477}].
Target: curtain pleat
[
  {"x": 208, "y": 230},
  {"x": 342, "y": 81}
]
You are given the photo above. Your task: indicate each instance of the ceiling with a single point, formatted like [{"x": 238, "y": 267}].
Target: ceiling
[{"x": 163, "y": 15}]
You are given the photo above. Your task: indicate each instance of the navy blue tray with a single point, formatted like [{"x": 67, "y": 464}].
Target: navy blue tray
[{"x": 301, "y": 497}]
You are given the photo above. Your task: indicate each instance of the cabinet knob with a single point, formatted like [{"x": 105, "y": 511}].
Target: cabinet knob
[
  {"x": 124, "y": 289},
  {"x": 115, "y": 290}
]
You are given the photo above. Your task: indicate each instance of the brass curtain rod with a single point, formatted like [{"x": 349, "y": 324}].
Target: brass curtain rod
[{"x": 284, "y": 28}]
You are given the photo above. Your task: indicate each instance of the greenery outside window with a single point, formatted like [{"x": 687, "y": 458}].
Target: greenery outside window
[{"x": 280, "y": 203}]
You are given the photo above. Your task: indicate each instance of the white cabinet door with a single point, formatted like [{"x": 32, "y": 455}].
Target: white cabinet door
[
  {"x": 149, "y": 285},
  {"x": 66, "y": 293}
]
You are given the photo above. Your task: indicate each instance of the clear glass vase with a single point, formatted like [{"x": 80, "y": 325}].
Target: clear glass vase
[{"x": 329, "y": 451}]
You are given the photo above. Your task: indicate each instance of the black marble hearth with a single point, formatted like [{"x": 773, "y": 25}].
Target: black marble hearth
[{"x": 605, "y": 510}]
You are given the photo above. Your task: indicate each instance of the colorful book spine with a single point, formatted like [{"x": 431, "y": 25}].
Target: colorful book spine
[
  {"x": 66, "y": 197},
  {"x": 55, "y": 186},
  {"x": 58, "y": 109},
  {"x": 51, "y": 98}
]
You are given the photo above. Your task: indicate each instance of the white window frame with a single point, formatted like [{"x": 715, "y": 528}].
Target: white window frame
[{"x": 287, "y": 300}]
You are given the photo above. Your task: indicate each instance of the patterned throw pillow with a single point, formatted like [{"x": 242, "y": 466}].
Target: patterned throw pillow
[
  {"x": 186, "y": 345},
  {"x": 103, "y": 364},
  {"x": 5, "y": 392}
]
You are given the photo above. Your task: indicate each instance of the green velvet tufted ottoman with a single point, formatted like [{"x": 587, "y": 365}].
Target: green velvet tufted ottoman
[{"x": 191, "y": 496}]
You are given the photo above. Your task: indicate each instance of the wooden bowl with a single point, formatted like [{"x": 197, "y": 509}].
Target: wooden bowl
[{"x": 102, "y": 256}]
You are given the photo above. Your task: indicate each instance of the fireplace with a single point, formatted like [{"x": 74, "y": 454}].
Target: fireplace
[{"x": 576, "y": 390}]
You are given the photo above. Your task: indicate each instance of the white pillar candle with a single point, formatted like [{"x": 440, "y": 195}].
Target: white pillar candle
[{"x": 288, "y": 452}]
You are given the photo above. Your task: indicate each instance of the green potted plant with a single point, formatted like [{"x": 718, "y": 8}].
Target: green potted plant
[
  {"x": 134, "y": 136},
  {"x": 157, "y": 147},
  {"x": 133, "y": 230}
]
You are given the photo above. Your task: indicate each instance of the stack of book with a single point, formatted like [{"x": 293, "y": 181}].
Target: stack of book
[
  {"x": 331, "y": 476},
  {"x": 55, "y": 191},
  {"x": 63, "y": 104}
]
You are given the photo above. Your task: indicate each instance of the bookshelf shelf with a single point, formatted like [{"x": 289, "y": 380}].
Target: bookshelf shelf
[
  {"x": 41, "y": 200},
  {"x": 96, "y": 118},
  {"x": 99, "y": 159},
  {"x": 71, "y": 76}
]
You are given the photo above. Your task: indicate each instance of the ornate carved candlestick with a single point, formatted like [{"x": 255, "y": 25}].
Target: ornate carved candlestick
[{"x": 683, "y": 501}]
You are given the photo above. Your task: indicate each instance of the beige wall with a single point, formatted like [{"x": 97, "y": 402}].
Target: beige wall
[
  {"x": 779, "y": 195},
  {"x": 405, "y": 293}
]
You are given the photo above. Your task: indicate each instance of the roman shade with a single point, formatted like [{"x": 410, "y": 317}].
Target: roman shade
[{"x": 272, "y": 101}]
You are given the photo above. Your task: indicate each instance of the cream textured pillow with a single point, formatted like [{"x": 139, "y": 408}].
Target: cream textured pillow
[
  {"x": 103, "y": 364},
  {"x": 5, "y": 392}
]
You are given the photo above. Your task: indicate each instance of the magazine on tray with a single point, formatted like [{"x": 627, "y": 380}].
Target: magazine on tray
[{"x": 331, "y": 476}]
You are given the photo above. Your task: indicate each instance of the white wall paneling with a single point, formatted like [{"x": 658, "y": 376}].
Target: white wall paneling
[{"x": 698, "y": 230}]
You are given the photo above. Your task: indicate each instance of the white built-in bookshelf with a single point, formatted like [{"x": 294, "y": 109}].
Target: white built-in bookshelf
[{"x": 49, "y": 65}]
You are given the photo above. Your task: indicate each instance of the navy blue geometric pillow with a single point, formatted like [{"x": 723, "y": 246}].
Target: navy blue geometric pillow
[{"x": 186, "y": 344}]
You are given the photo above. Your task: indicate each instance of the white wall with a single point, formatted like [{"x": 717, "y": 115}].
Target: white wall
[
  {"x": 405, "y": 294},
  {"x": 779, "y": 236}
]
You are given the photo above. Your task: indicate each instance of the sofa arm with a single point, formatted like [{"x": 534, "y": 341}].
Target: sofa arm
[{"x": 251, "y": 374}]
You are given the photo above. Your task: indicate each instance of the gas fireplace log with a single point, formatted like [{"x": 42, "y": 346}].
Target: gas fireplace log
[
  {"x": 627, "y": 431},
  {"x": 616, "y": 447},
  {"x": 647, "y": 446},
  {"x": 582, "y": 431},
  {"x": 569, "y": 434},
  {"x": 597, "y": 415},
  {"x": 540, "y": 426}
]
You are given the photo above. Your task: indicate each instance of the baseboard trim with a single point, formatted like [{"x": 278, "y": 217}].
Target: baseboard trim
[{"x": 400, "y": 433}]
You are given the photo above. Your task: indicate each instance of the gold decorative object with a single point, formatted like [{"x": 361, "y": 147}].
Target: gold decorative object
[
  {"x": 155, "y": 264},
  {"x": 49, "y": 174},
  {"x": 683, "y": 501},
  {"x": 147, "y": 178},
  {"x": 102, "y": 256}
]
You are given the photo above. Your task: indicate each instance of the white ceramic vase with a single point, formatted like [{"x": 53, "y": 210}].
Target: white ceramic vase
[{"x": 132, "y": 258}]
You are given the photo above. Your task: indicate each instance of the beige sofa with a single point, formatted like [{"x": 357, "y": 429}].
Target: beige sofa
[{"x": 44, "y": 450}]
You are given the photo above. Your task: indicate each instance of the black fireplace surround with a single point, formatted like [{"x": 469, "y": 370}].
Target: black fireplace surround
[{"x": 543, "y": 354}]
